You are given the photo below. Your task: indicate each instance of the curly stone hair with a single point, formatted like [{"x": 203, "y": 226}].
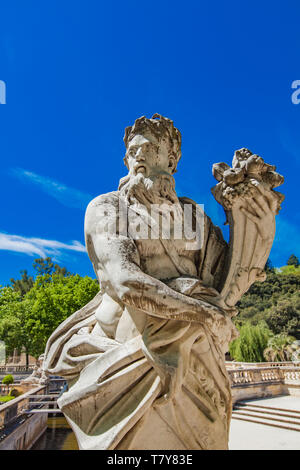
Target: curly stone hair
[{"x": 160, "y": 127}]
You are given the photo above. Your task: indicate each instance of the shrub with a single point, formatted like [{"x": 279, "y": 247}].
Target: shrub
[
  {"x": 15, "y": 392},
  {"x": 7, "y": 380}
]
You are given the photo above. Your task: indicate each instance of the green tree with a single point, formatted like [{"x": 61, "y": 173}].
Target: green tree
[
  {"x": 43, "y": 266},
  {"x": 291, "y": 269},
  {"x": 13, "y": 313},
  {"x": 9, "y": 304},
  {"x": 47, "y": 266},
  {"x": 293, "y": 261},
  {"x": 250, "y": 345},
  {"x": 24, "y": 284},
  {"x": 52, "y": 299},
  {"x": 8, "y": 295},
  {"x": 31, "y": 309},
  {"x": 262, "y": 299},
  {"x": 7, "y": 380},
  {"x": 27, "y": 322},
  {"x": 284, "y": 316},
  {"x": 279, "y": 348},
  {"x": 269, "y": 266}
]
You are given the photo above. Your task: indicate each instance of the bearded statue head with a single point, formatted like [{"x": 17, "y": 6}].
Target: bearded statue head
[{"x": 153, "y": 149}]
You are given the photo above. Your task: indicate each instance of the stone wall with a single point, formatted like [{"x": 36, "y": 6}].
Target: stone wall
[
  {"x": 26, "y": 434},
  {"x": 19, "y": 431}
]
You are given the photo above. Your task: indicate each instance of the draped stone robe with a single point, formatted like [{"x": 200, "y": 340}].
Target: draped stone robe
[{"x": 141, "y": 377}]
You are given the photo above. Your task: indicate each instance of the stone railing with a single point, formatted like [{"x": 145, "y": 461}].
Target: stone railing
[
  {"x": 14, "y": 408},
  {"x": 291, "y": 376},
  {"x": 256, "y": 365},
  {"x": 254, "y": 382},
  {"x": 20, "y": 430},
  {"x": 15, "y": 368},
  {"x": 55, "y": 384},
  {"x": 254, "y": 376}
]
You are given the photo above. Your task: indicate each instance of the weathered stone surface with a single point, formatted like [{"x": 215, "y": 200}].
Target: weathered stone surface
[{"x": 144, "y": 359}]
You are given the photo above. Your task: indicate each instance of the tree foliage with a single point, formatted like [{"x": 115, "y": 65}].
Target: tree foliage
[
  {"x": 46, "y": 266},
  {"x": 290, "y": 269},
  {"x": 269, "y": 266},
  {"x": 275, "y": 301},
  {"x": 8, "y": 379},
  {"x": 284, "y": 317},
  {"x": 250, "y": 345},
  {"x": 27, "y": 319},
  {"x": 279, "y": 348},
  {"x": 293, "y": 261},
  {"x": 13, "y": 329},
  {"x": 24, "y": 284},
  {"x": 53, "y": 298}
]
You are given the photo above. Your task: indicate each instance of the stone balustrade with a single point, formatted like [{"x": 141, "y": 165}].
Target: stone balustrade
[
  {"x": 291, "y": 375},
  {"x": 265, "y": 380},
  {"x": 247, "y": 381},
  {"x": 252, "y": 376},
  {"x": 15, "y": 368},
  {"x": 256, "y": 365},
  {"x": 241, "y": 376},
  {"x": 17, "y": 430},
  {"x": 11, "y": 410}
]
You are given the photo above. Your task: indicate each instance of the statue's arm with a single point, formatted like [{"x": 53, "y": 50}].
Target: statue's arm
[{"x": 117, "y": 263}]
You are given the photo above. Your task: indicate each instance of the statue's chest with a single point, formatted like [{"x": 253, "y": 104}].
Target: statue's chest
[
  {"x": 161, "y": 242},
  {"x": 161, "y": 259}
]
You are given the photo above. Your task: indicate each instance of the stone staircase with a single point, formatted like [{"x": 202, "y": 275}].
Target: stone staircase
[{"x": 267, "y": 415}]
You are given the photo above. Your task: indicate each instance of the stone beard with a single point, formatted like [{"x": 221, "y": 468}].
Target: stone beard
[
  {"x": 144, "y": 360},
  {"x": 157, "y": 197},
  {"x": 146, "y": 191}
]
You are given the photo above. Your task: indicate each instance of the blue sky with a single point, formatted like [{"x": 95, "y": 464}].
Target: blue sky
[{"x": 78, "y": 72}]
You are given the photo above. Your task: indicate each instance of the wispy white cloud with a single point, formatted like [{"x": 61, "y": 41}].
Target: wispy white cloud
[
  {"x": 37, "y": 246},
  {"x": 67, "y": 196}
]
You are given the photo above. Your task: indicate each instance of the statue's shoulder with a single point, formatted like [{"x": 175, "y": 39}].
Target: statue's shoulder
[
  {"x": 103, "y": 199},
  {"x": 101, "y": 206}
]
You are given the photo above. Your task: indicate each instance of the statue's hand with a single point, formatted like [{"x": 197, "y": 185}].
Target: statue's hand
[{"x": 261, "y": 210}]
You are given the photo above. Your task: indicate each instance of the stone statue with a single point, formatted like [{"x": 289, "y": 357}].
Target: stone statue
[
  {"x": 144, "y": 360},
  {"x": 38, "y": 375}
]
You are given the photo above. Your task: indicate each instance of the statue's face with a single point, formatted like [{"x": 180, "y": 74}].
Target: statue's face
[{"x": 145, "y": 155}]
